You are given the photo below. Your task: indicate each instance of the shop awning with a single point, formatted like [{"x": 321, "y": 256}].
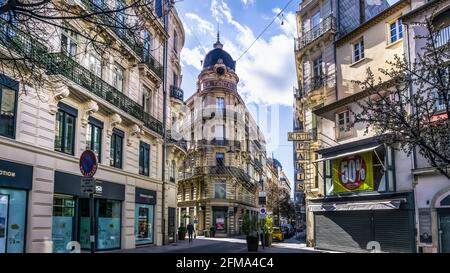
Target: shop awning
[
  {"x": 371, "y": 148},
  {"x": 366, "y": 205}
]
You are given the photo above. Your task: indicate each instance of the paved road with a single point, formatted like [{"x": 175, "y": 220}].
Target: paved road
[{"x": 223, "y": 245}]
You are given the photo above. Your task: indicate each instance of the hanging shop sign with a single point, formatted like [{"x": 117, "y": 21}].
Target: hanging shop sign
[
  {"x": 299, "y": 136},
  {"x": 353, "y": 173}
]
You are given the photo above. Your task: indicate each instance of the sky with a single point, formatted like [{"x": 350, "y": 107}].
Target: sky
[{"x": 267, "y": 69}]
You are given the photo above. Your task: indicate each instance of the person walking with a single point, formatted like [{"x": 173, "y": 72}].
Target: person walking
[{"x": 190, "y": 230}]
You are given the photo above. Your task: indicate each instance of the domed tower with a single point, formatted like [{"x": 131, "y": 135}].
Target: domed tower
[{"x": 220, "y": 182}]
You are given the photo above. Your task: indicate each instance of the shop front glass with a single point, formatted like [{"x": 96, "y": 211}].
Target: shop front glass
[
  {"x": 220, "y": 220},
  {"x": 12, "y": 220},
  {"x": 143, "y": 225},
  {"x": 108, "y": 223},
  {"x": 63, "y": 222}
]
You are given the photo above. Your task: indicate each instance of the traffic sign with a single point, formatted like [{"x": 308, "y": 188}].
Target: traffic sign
[
  {"x": 88, "y": 163},
  {"x": 88, "y": 185},
  {"x": 262, "y": 211}
]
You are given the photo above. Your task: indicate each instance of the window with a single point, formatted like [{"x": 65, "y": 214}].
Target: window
[
  {"x": 115, "y": 159},
  {"x": 220, "y": 103},
  {"x": 95, "y": 64},
  {"x": 219, "y": 132},
  {"x": 146, "y": 99},
  {"x": 315, "y": 19},
  {"x": 94, "y": 137},
  {"x": 148, "y": 45},
  {"x": 220, "y": 159},
  {"x": 192, "y": 192},
  {"x": 8, "y": 98},
  {"x": 220, "y": 190},
  {"x": 144, "y": 158},
  {"x": 159, "y": 7},
  {"x": 396, "y": 31},
  {"x": 358, "y": 50},
  {"x": 117, "y": 75},
  {"x": 344, "y": 122},
  {"x": 173, "y": 167},
  {"x": 317, "y": 67},
  {"x": 65, "y": 129},
  {"x": 69, "y": 43},
  {"x": 175, "y": 41},
  {"x": 175, "y": 80}
]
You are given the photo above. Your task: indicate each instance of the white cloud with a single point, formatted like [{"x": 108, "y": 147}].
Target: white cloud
[
  {"x": 248, "y": 2},
  {"x": 203, "y": 26},
  {"x": 192, "y": 57},
  {"x": 289, "y": 20}
]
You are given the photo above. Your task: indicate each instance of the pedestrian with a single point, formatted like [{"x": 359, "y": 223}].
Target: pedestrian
[{"x": 190, "y": 229}]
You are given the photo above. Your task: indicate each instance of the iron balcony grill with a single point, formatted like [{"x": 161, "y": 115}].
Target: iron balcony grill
[
  {"x": 327, "y": 25},
  {"x": 60, "y": 64},
  {"x": 176, "y": 92}
]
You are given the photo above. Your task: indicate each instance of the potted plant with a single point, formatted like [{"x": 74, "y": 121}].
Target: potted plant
[
  {"x": 212, "y": 231},
  {"x": 268, "y": 229},
  {"x": 250, "y": 228},
  {"x": 181, "y": 232}
]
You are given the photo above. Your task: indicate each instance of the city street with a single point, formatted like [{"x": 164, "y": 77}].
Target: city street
[{"x": 223, "y": 245}]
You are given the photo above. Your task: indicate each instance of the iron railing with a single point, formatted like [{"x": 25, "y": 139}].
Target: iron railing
[
  {"x": 60, "y": 64},
  {"x": 176, "y": 92},
  {"x": 314, "y": 83},
  {"x": 15, "y": 39},
  {"x": 181, "y": 142},
  {"x": 220, "y": 142},
  {"x": 107, "y": 17},
  {"x": 442, "y": 36},
  {"x": 327, "y": 25},
  {"x": 299, "y": 93}
]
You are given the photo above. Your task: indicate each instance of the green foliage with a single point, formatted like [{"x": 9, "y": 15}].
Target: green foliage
[
  {"x": 182, "y": 229},
  {"x": 250, "y": 225},
  {"x": 212, "y": 229},
  {"x": 267, "y": 224}
]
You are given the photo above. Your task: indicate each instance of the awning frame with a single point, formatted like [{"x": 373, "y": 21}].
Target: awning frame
[{"x": 371, "y": 148}]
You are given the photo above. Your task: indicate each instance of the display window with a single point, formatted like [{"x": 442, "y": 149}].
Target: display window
[
  {"x": 144, "y": 224},
  {"x": 12, "y": 220}
]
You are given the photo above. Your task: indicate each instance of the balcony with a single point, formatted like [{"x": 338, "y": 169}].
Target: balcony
[
  {"x": 299, "y": 93},
  {"x": 14, "y": 39},
  {"x": 220, "y": 143},
  {"x": 176, "y": 93},
  {"x": 313, "y": 83},
  {"x": 328, "y": 25},
  {"x": 60, "y": 64},
  {"x": 181, "y": 142},
  {"x": 106, "y": 16},
  {"x": 258, "y": 164}
]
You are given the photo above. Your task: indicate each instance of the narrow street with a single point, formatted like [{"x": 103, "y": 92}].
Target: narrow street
[{"x": 223, "y": 245}]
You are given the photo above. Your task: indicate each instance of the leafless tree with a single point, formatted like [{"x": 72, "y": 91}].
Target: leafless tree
[
  {"x": 411, "y": 107},
  {"x": 30, "y": 29}
]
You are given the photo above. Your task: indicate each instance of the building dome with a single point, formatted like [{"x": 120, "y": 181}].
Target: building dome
[{"x": 219, "y": 54}]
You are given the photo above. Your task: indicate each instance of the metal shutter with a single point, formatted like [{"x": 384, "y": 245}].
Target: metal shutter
[
  {"x": 393, "y": 230},
  {"x": 343, "y": 231}
]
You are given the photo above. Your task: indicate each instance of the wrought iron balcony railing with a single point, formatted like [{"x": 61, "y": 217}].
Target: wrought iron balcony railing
[
  {"x": 181, "y": 142},
  {"x": 220, "y": 142},
  {"x": 313, "y": 83},
  {"x": 60, "y": 64},
  {"x": 176, "y": 92},
  {"x": 123, "y": 32},
  {"x": 299, "y": 93},
  {"x": 29, "y": 48},
  {"x": 442, "y": 36},
  {"x": 327, "y": 25}
]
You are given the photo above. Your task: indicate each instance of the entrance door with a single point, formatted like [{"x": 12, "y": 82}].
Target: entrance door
[{"x": 444, "y": 231}]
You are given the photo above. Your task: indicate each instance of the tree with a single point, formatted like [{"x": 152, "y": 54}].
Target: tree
[
  {"x": 411, "y": 108},
  {"x": 30, "y": 29}
]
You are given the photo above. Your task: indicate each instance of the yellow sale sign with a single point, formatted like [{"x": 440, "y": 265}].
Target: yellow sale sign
[{"x": 353, "y": 173}]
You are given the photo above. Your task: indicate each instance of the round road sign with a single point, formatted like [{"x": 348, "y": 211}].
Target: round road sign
[{"x": 88, "y": 163}]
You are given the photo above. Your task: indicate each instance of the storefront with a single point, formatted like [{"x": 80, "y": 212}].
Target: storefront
[
  {"x": 144, "y": 216},
  {"x": 15, "y": 182},
  {"x": 362, "y": 204},
  {"x": 71, "y": 219},
  {"x": 220, "y": 219}
]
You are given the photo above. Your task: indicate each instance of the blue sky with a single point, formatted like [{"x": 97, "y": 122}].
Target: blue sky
[{"x": 266, "y": 71}]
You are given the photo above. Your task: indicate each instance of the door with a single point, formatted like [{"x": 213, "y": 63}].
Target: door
[
  {"x": 220, "y": 220},
  {"x": 444, "y": 231}
]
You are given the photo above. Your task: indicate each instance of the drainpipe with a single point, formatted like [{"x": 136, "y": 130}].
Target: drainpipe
[{"x": 166, "y": 10}]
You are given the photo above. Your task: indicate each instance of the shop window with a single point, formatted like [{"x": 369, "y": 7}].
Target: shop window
[
  {"x": 13, "y": 205},
  {"x": 358, "y": 50},
  {"x": 144, "y": 224},
  {"x": 8, "y": 102},
  {"x": 62, "y": 222},
  {"x": 65, "y": 129},
  {"x": 371, "y": 171},
  {"x": 395, "y": 31},
  {"x": 144, "y": 159},
  {"x": 115, "y": 159},
  {"x": 94, "y": 137},
  {"x": 108, "y": 224},
  {"x": 220, "y": 190}
]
